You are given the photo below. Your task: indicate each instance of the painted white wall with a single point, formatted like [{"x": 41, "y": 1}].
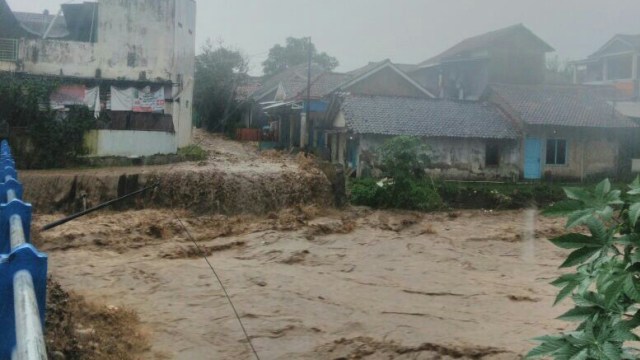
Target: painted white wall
[
  {"x": 131, "y": 143},
  {"x": 340, "y": 121}
]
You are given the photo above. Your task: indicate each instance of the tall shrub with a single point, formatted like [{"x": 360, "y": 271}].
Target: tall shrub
[{"x": 403, "y": 160}]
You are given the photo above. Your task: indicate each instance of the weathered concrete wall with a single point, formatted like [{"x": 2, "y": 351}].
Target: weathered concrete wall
[
  {"x": 184, "y": 68},
  {"x": 133, "y": 36},
  {"x": 589, "y": 151},
  {"x": 55, "y": 57},
  {"x": 150, "y": 39},
  {"x": 456, "y": 158},
  {"x": 7, "y": 66},
  {"x": 130, "y": 143}
]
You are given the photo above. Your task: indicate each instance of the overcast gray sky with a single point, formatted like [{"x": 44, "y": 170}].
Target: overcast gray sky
[{"x": 406, "y": 31}]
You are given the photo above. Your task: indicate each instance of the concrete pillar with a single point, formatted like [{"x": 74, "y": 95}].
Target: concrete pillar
[
  {"x": 292, "y": 130},
  {"x": 634, "y": 70},
  {"x": 303, "y": 130},
  {"x": 334, "y": 147},
  {"x": 605, "y": 69},
  {"x": 314, "y": 138},
  {"x": 575, "y": 73},
  {"x": 342, "y": 147}
]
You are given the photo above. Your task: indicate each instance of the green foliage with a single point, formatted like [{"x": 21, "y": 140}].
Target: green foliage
[
  {"x": 24, "y": 100},
  {"x": 58, "y": 139},
  {"x": 219, "y": 71},
  {"x": 41, "y": 138},
  {"x": 366, "y": 192},
  {"x": 193, "y": 152},
  {"x": 419, "y": 195},
  {"x": 605, "y": 284},
  {"x": 498, "y": 196},
  {"x": 295, "y": 52},
  {"x": 403, "y": 159}
]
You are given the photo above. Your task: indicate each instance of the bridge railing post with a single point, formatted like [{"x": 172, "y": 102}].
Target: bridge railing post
[{"x": 23, "y": 272}]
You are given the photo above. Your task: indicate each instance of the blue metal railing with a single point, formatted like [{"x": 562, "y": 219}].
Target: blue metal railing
[{"x": 23, "y": 272}]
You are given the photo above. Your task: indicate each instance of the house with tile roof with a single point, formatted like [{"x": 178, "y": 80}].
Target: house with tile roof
[
  {"x": 530, "y": 132},
  {"x": 468, "y": 140},
  {"x": 283, "y": 98},
  {"x": 482, "y": 106},
  {"x": 567, "y": 132},
  {"x": 616, "y": 63},
  {"x": 513, "y": 55}
]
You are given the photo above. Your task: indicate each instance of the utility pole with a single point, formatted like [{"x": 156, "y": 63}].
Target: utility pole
[{"x": 304, "y": 133}]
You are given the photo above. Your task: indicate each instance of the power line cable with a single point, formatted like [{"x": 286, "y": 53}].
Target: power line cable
[
  {"x": 221, "y": 124},
  {"x": 215, "y": 273}
]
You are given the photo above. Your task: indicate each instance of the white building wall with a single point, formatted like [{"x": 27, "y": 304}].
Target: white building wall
[
  {"x": 141, "y": 28},
  {"x": 130, "y": 143},
  {"x": 184, "y": 68},
  {"x": 154, "y": 38}
]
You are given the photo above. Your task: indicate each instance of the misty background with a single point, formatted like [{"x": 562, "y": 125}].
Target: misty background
[{"x": 405, "y": 31}]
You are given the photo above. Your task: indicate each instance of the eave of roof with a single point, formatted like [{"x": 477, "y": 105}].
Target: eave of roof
[{"x": 632, "y": 40}]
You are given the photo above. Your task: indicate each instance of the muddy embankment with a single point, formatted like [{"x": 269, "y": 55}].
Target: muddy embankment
[{"x": 202, "y": 190}]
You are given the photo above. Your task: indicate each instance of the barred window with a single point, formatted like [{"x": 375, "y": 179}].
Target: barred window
[{"x": 8, "y": 49}]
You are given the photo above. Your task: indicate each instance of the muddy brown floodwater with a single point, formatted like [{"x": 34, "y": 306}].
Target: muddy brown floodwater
[{"x": 321, "y": 284}]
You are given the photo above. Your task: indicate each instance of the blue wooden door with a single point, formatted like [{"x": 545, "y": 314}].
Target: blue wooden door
[{"x": 532, "y": 155}]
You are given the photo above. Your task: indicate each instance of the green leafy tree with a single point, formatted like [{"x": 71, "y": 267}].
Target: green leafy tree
[
  {"x": 404, "y": 160},
  {"x": 295, "y": 52},
  {"x": 219, "y": 72},
  {"x": 605, "y": 284}
]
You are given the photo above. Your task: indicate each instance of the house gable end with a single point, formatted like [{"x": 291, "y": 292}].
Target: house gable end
[
  {"x": 400, "y": 84},
  {"x": 614, "y": 46},
  {"x": 385, "y": 82}
]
